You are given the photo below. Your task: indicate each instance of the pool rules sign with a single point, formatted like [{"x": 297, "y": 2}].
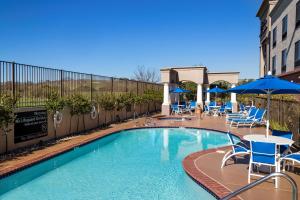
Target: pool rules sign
[{"x": 30, "y": 125}]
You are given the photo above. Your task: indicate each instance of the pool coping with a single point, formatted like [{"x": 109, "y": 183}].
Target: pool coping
[{"x": 215, "y": 188}]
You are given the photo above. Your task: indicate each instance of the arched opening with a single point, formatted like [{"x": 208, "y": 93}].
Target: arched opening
[
  {"x": 189, "y": 85},
  {"x": 220, "y": 97}
]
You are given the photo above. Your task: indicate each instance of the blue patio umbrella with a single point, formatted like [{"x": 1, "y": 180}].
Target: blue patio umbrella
[
  {"x": 216, "y": 90},
  {"x": 179, "y": 91},
  {"x": 267, "y": 85}
]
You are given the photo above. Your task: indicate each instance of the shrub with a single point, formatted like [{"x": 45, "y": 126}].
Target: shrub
[
  {"x": 54, "y": 104},
  {"x": 7, "y": 105}
]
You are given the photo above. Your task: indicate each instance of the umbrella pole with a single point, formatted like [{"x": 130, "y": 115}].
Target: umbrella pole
[{"x": 268, "y": 114}]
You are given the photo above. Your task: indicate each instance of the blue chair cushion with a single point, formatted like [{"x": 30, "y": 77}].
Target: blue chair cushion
[
  {"x": 295, "y": 156},
  {"x": 265, "y": 159},
  {"x": 285, "y": 134},
  {"x": 238, "y": 149},
  {"x": 264, "y": 153}
]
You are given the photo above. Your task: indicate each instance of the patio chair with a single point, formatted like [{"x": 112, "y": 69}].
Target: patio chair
[
  {"x": 283, "y": 149},
  {"x": 261, "y": 154},
  {"x": 222, "y": 110},
  {"x": 175, "y": 109},
  {"x": 191, "y": 107},
  {"x": 238, "y": 149},
  {"x": 241, "y": 107},
  {"x": 293, "y": 157},
  {"x": 257, "y": 119},
  {"x": 228, "y": 106},
  {"x": 206, "y": 110}
]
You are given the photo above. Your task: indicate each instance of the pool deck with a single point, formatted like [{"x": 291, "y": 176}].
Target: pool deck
[{"x": 203, "y": 166}]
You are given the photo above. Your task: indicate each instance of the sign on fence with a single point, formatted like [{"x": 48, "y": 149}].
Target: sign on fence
[{"x": 30, "y": 125}]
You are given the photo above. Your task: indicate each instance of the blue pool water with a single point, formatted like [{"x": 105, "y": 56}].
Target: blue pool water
[{"x": 135, "y": 164}]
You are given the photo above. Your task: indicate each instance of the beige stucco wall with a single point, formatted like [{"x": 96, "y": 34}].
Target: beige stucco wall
[
  {"x": 287, "y": 7},
  {"x": 64, "y": 127},
  {"x": 230, "y": 77}
]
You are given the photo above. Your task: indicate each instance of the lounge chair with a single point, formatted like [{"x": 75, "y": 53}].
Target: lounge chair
[
  {"x": 262, "y": 153},
  {"x": 249, "y": 115},
  {"x": 238, "y": 149},
  {"x": 241, "y": 113},
  {"x": 257, "y": 119}
]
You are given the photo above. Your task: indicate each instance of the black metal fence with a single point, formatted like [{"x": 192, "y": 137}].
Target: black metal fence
[{"x": 31, "y": 85}]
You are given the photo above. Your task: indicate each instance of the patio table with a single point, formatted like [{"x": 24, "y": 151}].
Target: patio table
[
  {"x": 270, "y": 139},
  {"x": 180, "y": 107},
  {"x": 215, "y": 110}
]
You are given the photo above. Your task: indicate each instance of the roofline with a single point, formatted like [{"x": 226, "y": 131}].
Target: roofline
[
  {"x": 187, "y": 67},
  {"x": 263, "y": 4},
  {"x": 276, "y": 7},
  {"x": 223, "y": 73}
]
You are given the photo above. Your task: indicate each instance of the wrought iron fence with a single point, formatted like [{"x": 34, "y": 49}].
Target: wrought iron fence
[{"x": 31, "y": 85}]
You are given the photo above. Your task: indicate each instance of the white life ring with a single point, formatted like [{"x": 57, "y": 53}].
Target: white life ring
[
  {"x": 93, "y": 113},
  {"x": 58, "y": 117}
]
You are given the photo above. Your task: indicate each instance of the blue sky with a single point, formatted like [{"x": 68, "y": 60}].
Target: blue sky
[{"x": 113, "y": 37}]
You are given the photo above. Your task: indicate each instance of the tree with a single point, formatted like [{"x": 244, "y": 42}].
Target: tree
[
  {"x": 7, "y": 105},
  {"x": 146, "y": 74}
]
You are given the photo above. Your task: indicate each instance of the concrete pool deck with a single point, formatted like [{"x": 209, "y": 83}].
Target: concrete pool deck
[{"x": 203, "y": 166}]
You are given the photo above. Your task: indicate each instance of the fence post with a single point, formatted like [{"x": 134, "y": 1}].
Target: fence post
[
  {"x": 61, "y": 84},
  {"x": 91, "y": 87},
  {"x": 13, "y": 80},
  {"x": 112, "y": 84}
]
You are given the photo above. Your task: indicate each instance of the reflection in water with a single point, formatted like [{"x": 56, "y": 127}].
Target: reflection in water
[{"x": 165, "y": 150}]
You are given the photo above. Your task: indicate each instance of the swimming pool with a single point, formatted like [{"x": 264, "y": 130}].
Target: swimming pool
[{"x": 135, "y": 164}]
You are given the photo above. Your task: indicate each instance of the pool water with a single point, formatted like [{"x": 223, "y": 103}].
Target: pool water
[{"x": 133, "y": 164}]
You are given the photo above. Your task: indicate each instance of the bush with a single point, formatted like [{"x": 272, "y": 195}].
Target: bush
[
  {"x": 79, "y": 105},
  {"x": 7, "y": 105}
]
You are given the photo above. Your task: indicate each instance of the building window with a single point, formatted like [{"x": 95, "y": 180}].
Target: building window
[
  {"x": 284, "y": 27},
  {"x": 298, "y": 14},
  {"x": 297, "y": 54},
  {"x": 274, "y": 37},
  {"x": 283, "y": 60},
  {"x": 273, "y": 65}
]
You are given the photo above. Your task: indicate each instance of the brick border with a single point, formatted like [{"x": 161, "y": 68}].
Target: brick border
[
  {"x": 216, "y": 189},
  {"x": 209, "y": 184}
]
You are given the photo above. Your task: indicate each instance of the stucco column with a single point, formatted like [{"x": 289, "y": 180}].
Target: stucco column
[
  {"x": 233, "y": 100},
  {"x": 207, "y": 96},
  {"x": 199, "y": 95},
  {"x": 165, "y": 108}
]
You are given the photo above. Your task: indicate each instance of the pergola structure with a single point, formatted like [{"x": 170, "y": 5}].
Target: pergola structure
[{"x": 171, "y": 77}]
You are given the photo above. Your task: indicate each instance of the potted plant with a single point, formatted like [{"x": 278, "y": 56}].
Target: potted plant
[
  {"x": 120, "y": 104},
  {"x": 7, "y": 105},
  {"x": 107, "y": 102},
  {"x": 137, "y": 100},
  {"x": 55, "y": 105},
  {"x": 79, "y": 105}
]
